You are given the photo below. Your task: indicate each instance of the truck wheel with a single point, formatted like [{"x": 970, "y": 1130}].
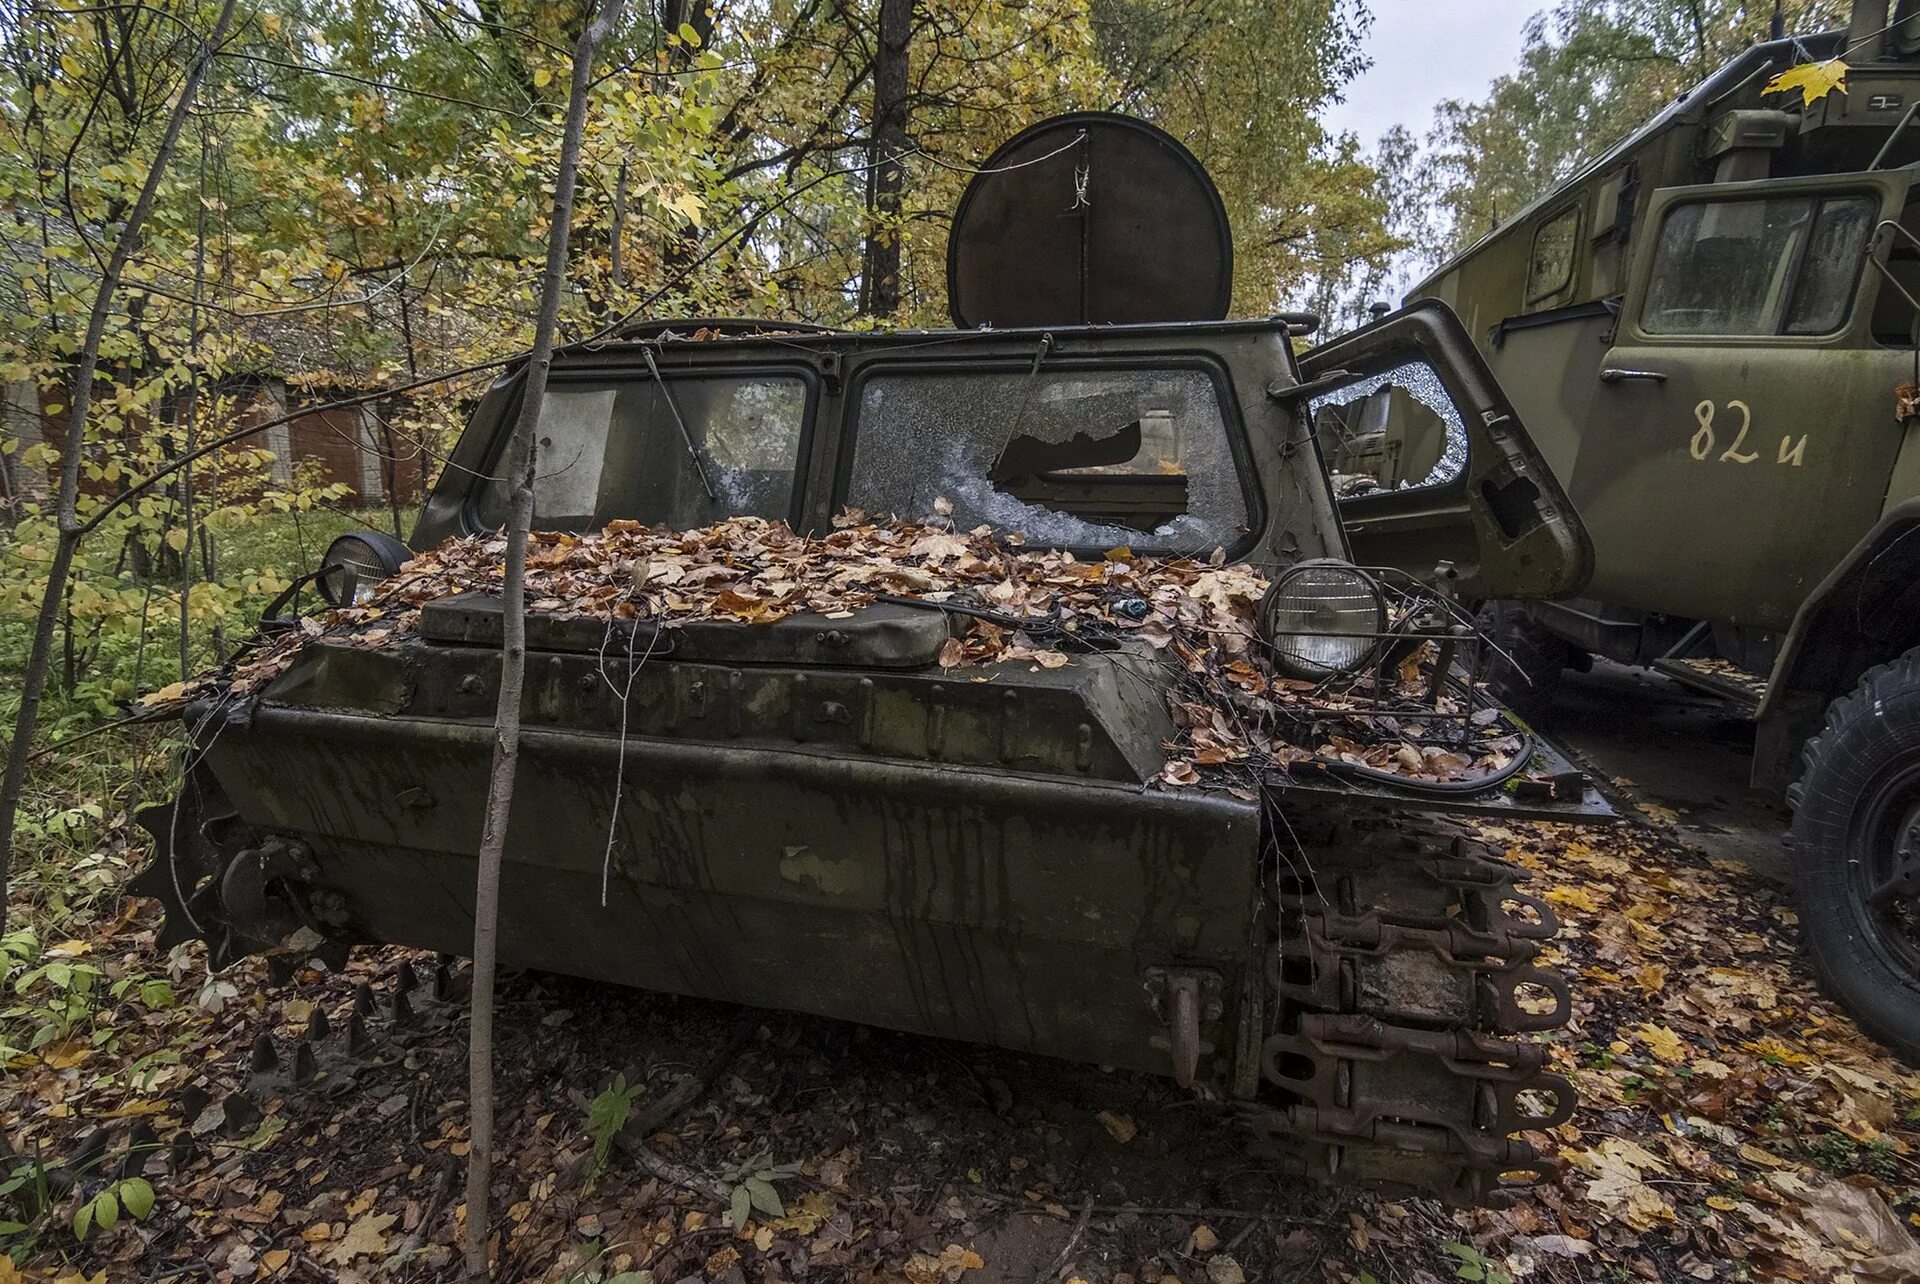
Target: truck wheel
[
  {"x": 1856, "y": 841},
  {"x": 1527, "y": 677}
]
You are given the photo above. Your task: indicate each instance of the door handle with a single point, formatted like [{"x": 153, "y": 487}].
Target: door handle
[{"x": 1614, "y": 374}]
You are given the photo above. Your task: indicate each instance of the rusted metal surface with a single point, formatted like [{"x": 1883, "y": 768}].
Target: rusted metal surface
[{"x": 1401, "y": 951}]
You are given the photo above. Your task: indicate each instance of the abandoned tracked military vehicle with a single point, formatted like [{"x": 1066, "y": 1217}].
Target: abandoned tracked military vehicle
[{"x": 815, "y": 815}]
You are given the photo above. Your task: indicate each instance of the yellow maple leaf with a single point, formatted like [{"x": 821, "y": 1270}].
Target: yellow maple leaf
[
  {"x": 1814, "y": 80},
  {"x": 1575, "y": 897},
  {"x": 1651, "y": 979},
  {"x": 1665, "y": 1044}
]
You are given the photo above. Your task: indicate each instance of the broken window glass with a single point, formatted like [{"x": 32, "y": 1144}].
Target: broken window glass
[
  {"x": 1068, "y": 458},
  {"x": 1396, "y": 430},
  {"x": 611, "y": 450}
]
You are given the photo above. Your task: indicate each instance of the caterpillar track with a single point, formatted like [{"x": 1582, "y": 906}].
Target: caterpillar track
[{"x": 1402, "y": 971}]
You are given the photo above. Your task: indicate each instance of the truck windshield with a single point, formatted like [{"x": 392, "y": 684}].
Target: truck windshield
[
  {"x": 1074, "y": 458},
  {"x": 613, "y": 449},
  {"x": 1771, "y": 265}
]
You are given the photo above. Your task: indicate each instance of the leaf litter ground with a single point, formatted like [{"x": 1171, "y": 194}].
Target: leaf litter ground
[{"x": 1733, "y": 1124}]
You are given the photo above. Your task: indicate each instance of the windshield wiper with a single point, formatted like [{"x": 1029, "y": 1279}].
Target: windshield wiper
[
  {"x": 693, "y": 451},
  {"x": 1026, "y": 389}
]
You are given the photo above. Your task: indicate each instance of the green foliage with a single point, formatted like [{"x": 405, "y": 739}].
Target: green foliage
[
  {"x": 1589, "y": 74},
  {"x": 607, "y": 1114},
  {"x": 1473, "y": 1266},
  {"x": 751, "y": 1190},
  {"x": 1844, "y": 1157},
  {"x": 131, "y": 1195}
]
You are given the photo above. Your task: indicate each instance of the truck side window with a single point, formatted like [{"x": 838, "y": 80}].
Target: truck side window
[
  {"x": 1780, "y": 265},
  {"x": 1552, "y": 265},
  {"x": 613, "y": 449}
]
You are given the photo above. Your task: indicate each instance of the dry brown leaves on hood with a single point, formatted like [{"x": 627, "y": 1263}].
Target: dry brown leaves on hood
[{"x": 1237, "y": 717}]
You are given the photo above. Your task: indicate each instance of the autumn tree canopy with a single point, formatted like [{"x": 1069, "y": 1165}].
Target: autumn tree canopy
[{"x": 1588, "y": 75}]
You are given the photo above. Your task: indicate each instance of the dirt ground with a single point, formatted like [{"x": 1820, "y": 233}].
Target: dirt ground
[{"x": 1733, "y": 1125}]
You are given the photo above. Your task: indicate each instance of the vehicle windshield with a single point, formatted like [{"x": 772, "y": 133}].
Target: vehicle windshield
[
  {"x": 612, "y": 449},
  {"x": 1070, "y": 457},
  {"x": 1769, "y": 265}
]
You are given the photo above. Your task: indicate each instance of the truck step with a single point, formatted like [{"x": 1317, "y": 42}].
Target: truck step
[{"x": 1719, "y": 678}]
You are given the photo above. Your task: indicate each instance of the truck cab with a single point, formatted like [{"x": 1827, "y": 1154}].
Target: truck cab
[{"x": 1711, "y": 330}]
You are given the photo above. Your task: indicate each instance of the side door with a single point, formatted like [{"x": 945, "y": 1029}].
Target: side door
[
  {"x": 1433, "y": 472},
  {"x": 1741, "y": 433}
]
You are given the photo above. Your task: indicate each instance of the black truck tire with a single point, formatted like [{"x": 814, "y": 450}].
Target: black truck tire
[
  {"x": 1856, "y": 853},
  {"x": 1527, "y": 677}
]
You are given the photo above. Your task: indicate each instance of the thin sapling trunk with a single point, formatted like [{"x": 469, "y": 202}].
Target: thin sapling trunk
[
  {"x": 513, "y": 652},
  {"x": 33, "y": 683}
]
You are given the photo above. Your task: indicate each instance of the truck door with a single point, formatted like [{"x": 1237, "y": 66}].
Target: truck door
[
  {"x": 1432, "y": 469},
  {"x": 1743, "y": 428}
]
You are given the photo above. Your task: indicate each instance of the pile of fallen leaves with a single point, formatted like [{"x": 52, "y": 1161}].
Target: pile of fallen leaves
[
  {"x": 1238, "y": 716},
  {"x": 1733, "y": 1126},
  {"x": 1733, "y": 1122}
]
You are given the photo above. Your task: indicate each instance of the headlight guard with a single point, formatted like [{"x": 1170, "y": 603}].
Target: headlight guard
[
  {"x": 357, "y": 561},
  {"x": 1323, "y": 618}
]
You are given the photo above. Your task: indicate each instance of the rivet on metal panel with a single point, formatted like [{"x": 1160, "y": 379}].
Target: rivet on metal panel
[{"x": 470, "y": 684}]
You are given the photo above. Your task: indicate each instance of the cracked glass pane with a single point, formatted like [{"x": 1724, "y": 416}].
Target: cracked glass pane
[
  {"x": 610, "y": 450},
  {"x": 1396, "y": 430},
  {"x": 1067, "y": 458}
]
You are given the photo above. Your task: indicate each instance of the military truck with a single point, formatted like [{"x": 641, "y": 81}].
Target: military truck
[
  {"x": 817, "y": 815},
  {"x": 1711, "y": 332}
]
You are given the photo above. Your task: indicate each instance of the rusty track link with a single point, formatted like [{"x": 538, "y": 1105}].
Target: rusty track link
[{"x": 1404, "y": 961}]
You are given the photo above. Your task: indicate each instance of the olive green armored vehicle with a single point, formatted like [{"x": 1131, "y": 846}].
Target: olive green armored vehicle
[
  {"x": 817, "y": 815},
  {"x": 1711, "y": 333}
]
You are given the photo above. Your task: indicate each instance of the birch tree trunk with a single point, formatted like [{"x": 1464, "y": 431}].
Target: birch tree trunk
[
  {"x": 513, "y": 654},
  {"x": 33, "y": 684}
]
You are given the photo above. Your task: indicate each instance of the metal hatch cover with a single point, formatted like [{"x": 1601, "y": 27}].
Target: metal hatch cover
[{"x": 1089, "y": 218}]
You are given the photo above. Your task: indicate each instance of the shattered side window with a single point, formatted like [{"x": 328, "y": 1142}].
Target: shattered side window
[
  {"x": 1396, "y": 430},
  {"x": 616, "y": 449},
  {"x": 1068, "y": 458}
]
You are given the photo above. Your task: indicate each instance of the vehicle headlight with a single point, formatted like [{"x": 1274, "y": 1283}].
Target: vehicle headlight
[
  {"x": 1323, "y": 617},
  {"x": 355, "y": 563}
]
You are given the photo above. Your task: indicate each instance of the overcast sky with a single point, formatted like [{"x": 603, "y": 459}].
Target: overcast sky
[{"x": 1427, "y": 50}]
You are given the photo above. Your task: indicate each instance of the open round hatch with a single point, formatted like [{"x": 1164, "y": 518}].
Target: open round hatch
[{"x": 1089, "y": 218}]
